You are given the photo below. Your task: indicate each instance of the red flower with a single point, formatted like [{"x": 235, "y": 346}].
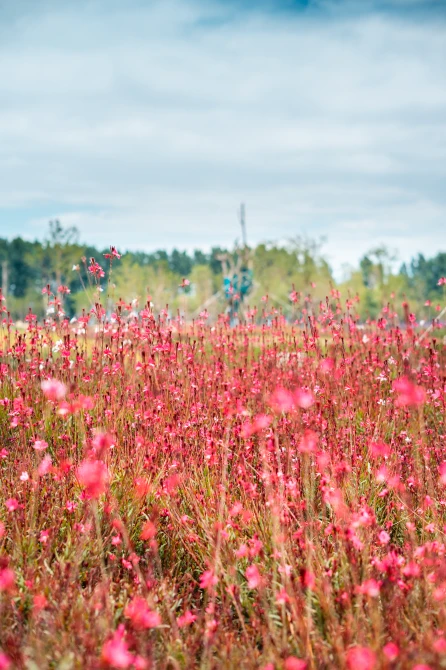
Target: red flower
[
  {"x": 53, "y": 389},
  {"x": 408, "y": 393},
  {"x": 186, "y": 619},
  {"x": 253, "y": 576},
  {"x": 93, "y": 477},
  {"x": 115, "y": 652},
  {"x": 141, "y": 615},
  {"x": 361, "y": 658},
  {"x": 208, "y": 579},
  {"x": 293, "y": 663}
]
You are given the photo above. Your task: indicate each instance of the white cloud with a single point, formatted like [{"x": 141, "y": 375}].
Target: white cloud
[{"x": 147, "y": 123}]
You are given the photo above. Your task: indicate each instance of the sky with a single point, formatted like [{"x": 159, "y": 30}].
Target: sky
[{"x": 147, "y": 123}]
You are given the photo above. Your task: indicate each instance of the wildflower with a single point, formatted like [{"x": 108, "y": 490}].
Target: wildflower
[
  {"x": 44, "y": 466},
  {"x": 308, "y": 580},
  {"x": 113, "y": 253},
  {"x": 40, "y": 445},
  {"x": 24, "y": 477},
  {"x": 282, "y": 597},
  {"x": 7, "y": 579},
  {"x": 391, "y": 651},
  {"x": 95, "y": 269},
  {"x": 140, "y": 614},
  {"x": 53, "y": 389},
  {"x": 384, "y": 537},
  {"x": 39, "y": 602},
  {"x": 242, "y": 551},
  {"x": 260, "y": 422},
  {"x": 293, "y": 663},
  {"x": 361, "y": 658},
  {"x": 370, "y": 588},
  {"x": 93, "y": 477},
  {"x": 440, "y": 645},
  {"x": 12, "y": 504},
  {"x": 208, "y": 579},
  {"x": 102, "y": 442},
  {"x": 148, "y": 531},
  {"x": 5, "y": 663},
  {"x": 282, "y": 400},
  {"x": 308, "y": 443},
  {"x": 253, "y": 576},
  {"x": 115, "y": 652},
  {"x": 378, "y": 449},
  {"x": 303, "y": 398},
  {"x": 408, "y": 393},
  {"x": 186, "y": 619}
]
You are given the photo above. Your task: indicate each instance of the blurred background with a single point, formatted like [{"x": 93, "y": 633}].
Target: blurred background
[{"x": 145, "y": 124}]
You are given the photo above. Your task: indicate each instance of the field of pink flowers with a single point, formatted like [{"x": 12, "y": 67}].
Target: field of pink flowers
[{"x": 198, "y": 496}]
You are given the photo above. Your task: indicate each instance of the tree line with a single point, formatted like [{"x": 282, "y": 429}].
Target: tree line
[{"x": 57, "y": 260}]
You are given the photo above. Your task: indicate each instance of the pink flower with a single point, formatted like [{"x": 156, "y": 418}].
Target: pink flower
[
  {"x": 12, "y": 504},
  {"x": 303, "y": 398},
  {"x": 383, "y": 537},
  {"x": 379, "y": 449},
  {"x": 293, "y": 663},
  {"x": 370, "y": 588},
  {"x": 308, "y": 580},
  {"x": 148, "y": 531},
  {"x": 282, "y": 400},
  {"x": 327, "y": 365},
  {"x": 208, "y": 579},
  {"x": 408, "y": 393},
  {"x": 53, "y": 389},
  {"x": 141, "y": 615},
  {"x": 93, "y": 477},
  {"x": 361, "y": 658},
  {"x": 5, "y": 663},
  {"x": 115, "y": 652},
  {"x": 253, "y": 576},
  {"x": 44, "y": 466},
  {"x": 391, "y": 651},
  {"x": 39, "y": 602},
  {"x": 24, "y": 477},
  {"x": 186, "y": 619},
  {"x": 308, "y": 443},
  {"x": 440, "y": 645},
  {"x": 7, "y": 579},
  {"x": 260, "y": 422},
  {"x": 242, "y": 551},
  {"x": 442, "y": 471},
  {"x": 113, "y": 253},
  {"x": 282, "y": 597},
  {"x": 40, "y": 445},
  {"x": 102, "y": 442}
]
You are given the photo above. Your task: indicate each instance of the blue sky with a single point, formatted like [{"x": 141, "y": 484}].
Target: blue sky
[{"x": 146, "y": 123}]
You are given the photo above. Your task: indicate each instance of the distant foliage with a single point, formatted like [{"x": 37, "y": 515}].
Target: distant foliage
[{"x": 61, "y": 260}]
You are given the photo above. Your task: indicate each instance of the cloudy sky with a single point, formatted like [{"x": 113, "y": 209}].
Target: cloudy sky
[{"x": 146, "y": 122}]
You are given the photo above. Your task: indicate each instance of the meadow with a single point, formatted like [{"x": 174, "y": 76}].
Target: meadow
[{"x": 194, "y": 495}]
